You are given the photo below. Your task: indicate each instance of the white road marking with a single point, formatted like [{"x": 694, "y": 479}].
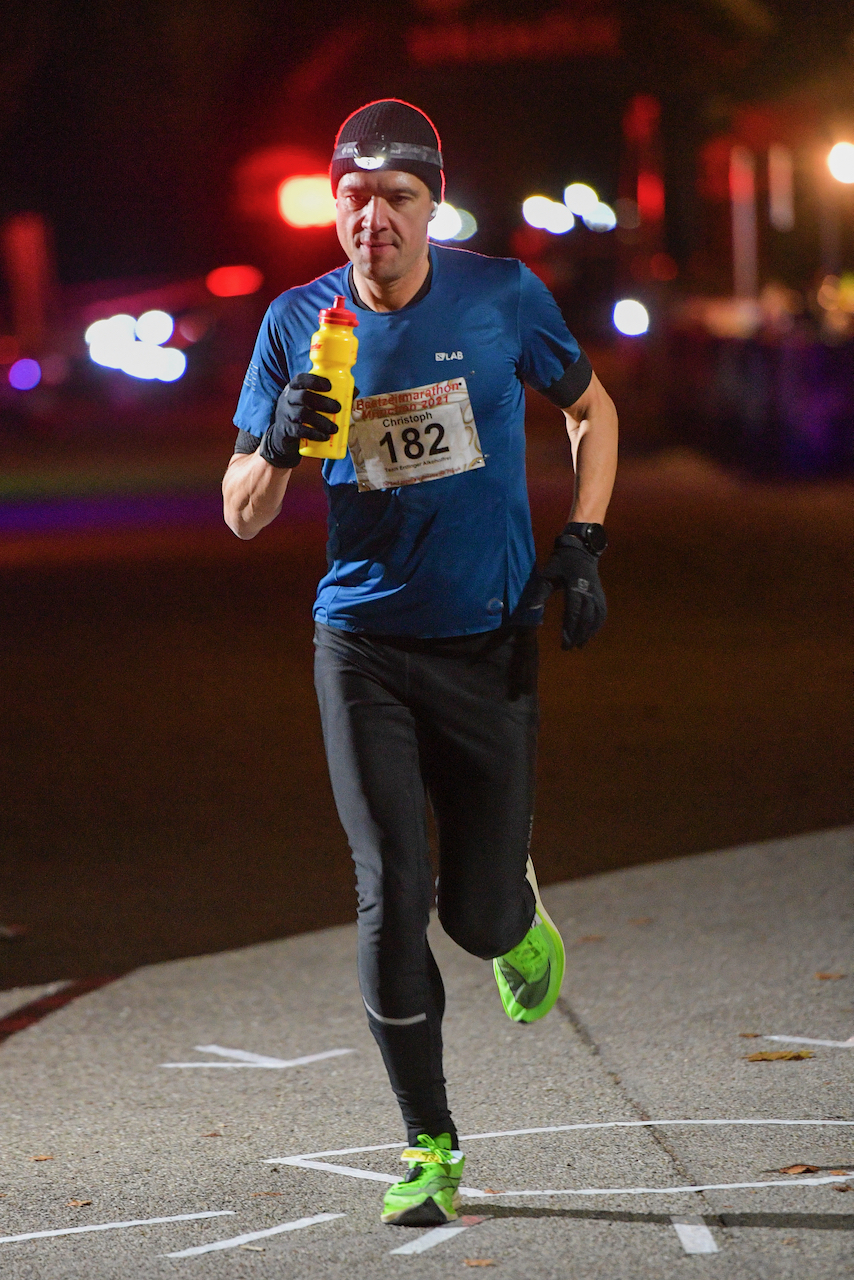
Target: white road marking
[
  {"x": 430, "y": 1239},
  {"x": 115, "y": 1226},
  {"x": 257, "y": 1060},
  {"x": 313, "y": 1160},
  {"x": 236, "y": 1241},
  {"x": 556, "y": 1128},
  {"x": 832, "y": 1044},
  {"x": 694, "y": 1235}
]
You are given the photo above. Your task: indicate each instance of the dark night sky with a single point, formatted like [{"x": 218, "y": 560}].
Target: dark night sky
[{"x": 122, "y": 120}]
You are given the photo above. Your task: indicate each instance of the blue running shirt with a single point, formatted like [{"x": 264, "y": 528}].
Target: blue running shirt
[{"x": 433, "y": 537}]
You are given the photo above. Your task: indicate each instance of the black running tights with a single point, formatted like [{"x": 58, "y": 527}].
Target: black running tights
[{"x": 401, "y": 721}]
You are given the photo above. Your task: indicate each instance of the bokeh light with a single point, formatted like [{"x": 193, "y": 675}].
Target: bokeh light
[
  {"x": 446, "y": 223},
  {"x": 154, "y": 326},
  {"x": 547, "y": 215},
  {"x": 25, "y": 374},
  {"x": 234, "y": 282},
  {"x": 135, "y": 346},
  {"x": 601, "y": 217},
  {"x": 631, "y": 317},
  {"x": 840, "y": 161},
  {"x": 307, "y": 201},
  {"x": 580, "y": 198}
]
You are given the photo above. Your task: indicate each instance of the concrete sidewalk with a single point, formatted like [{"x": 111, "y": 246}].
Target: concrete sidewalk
[{"x": 669, "y": 966}]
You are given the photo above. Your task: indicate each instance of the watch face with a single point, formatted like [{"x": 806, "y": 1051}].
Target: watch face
[{"x": 596, "y": 539}]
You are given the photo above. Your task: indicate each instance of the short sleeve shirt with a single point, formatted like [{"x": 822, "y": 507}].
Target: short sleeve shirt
[{"x": 447, "y": 554}]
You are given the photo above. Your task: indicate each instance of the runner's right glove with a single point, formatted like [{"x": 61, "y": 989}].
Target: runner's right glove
[
  {"x": 575, "y": 569},
  {"x": 298, "y": 416}
]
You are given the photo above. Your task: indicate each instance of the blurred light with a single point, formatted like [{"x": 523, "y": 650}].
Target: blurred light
[
  {"x": 535, "y": 211},
  {"x": 108, "y": 339},
  {"x": 154, "y": 326},
  {"x": 233, "y": 282},
  {"x": 25, "y": 374},
  {"x": 193, "y": 326},
  {"x": 580, "y": 198},
  {"x": 601, "y": 218},
  {"x": 9, "y": 349},
  {"x": 631, "y": 317},
  {"x": 307, "y": 201},
  {"x": 547, "y": 215},
  {"x": 627, "y": 213},
  {"x": 650, "y": 196},
  {"x": 840, "y": 161},
  {"x": 781, "y": 188},
  {"x": 445, "y": 224},
  {"x": 116, "y": 344},
  {"x": 468, "y": 225}
]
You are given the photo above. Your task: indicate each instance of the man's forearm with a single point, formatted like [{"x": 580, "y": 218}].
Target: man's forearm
[
  {"x": 591, "y": 424},
  {"x": 252, "y": 493}
]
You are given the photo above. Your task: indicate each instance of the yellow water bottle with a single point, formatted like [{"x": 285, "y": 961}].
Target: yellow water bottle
[{"x": 333, "y": 354}]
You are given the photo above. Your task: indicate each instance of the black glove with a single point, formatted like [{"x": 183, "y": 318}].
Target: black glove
[
  {"x": 298, "y": 416},
  {"x": 576, "y": 569}
]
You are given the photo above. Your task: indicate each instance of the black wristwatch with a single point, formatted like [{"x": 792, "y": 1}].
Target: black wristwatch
[{"x": 591, "y": 536}]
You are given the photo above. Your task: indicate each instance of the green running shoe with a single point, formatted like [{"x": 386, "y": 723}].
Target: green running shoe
[
  {"x": 529, "y": 977},
  {"x": 428, "y": 1195}
]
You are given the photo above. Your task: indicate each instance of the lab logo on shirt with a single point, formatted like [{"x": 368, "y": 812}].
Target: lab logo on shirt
[{"x": 449, "y": 355}]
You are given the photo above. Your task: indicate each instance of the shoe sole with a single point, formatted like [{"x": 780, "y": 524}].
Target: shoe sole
[{"x": 426, "y": 1214}]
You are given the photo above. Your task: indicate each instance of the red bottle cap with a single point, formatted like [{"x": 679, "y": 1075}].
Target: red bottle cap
[{"x": 338, "y": 314}]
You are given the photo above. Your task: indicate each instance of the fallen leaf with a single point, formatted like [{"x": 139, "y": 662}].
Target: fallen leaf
[
  {"x": 254, "y": 1248},
  {"x": 640, "y": 919},
  {"x": 211, "y": 1135},
  {"x": 790, "y": 1242},
  {"x": 830, "y": 977},
  {"x": 77, "y": 1204},
  {"x": 781, "y": 1055},
  {"x": 839, "y": 1173},
  {"x": 490, "y": 1192},
  {"x": 592, "y": 937},
  {"x": 471, "y": 1219},
  {"x": 750, "y": 1035},
  {"x": 41, "y": 1157},
  {"x": 268, "y": 1193},
  {"x": 478, "y": 1262},
  {"x": 841, "y": 1186},
  {"x": 800, "y": 1168}
]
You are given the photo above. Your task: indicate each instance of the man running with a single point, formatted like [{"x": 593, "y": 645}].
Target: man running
[{"x": 426, "y": 618}]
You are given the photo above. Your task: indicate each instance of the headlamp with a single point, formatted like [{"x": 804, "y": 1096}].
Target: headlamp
[{"x": 380, "y": 152}]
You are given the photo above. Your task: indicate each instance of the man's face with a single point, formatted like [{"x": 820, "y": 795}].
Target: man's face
[{"x": 382, "y": 222}]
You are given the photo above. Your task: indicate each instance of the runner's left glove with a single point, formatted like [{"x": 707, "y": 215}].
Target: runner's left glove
[
  {"x": 575, "y": 569},
  {"x": 298, "y": 416}
]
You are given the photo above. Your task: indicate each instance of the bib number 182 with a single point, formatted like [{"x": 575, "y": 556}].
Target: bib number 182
[{"x": 412, "y": 444}]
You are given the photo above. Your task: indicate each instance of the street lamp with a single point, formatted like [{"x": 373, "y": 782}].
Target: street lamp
[{"x": 840, "y": 161}]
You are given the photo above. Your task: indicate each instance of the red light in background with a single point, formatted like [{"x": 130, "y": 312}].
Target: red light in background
[
  {"x": 233, "y": 282},
  {"x": 9, "y": 349},
  {"x": 307, "y": 201},
  {"x": 662, "y": 267},
  {"x": 650, "y": 196}
]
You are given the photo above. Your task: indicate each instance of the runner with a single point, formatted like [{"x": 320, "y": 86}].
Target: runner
[{"x": 426, "y": 646}]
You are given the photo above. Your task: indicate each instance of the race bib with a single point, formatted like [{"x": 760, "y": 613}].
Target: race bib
[{"x": 404, "y": 437}]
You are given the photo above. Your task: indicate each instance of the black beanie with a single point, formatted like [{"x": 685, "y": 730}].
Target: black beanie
[{"x": 389, "y": 134}]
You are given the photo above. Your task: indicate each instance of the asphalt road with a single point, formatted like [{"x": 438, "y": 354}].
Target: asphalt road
[
  {"x": 614, "y": 1139},
  {"x": 164, "y": 789}
]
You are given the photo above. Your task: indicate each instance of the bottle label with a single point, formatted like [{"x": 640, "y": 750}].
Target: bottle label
[{"x": 407, "y": 437}]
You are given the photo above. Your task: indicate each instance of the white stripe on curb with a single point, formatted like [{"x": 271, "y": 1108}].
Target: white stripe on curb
[
  {"x": 236, "y": 1241},
  {"x": 115, "y": 1226},
  {"x": 694, "y": 1235}
]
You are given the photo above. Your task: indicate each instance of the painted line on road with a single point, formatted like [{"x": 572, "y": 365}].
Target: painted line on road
[
  {"x": 554, "y": 1128},
  {"x": 694, "y": 1235},
  {"x": 831, "y": 1044},
  {"x": 430, "y": 1239},
  {"x": 234, "y": 1242},
  {"x": 28, "y": 1014},
  {"x": 258, "y": 1061},
  {"x": 116, "y": 1226}
]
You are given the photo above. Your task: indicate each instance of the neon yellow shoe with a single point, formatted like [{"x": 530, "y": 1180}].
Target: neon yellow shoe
[
  {"x": 529, "y": 976},
  {"x": 428, "y": 1196}
]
